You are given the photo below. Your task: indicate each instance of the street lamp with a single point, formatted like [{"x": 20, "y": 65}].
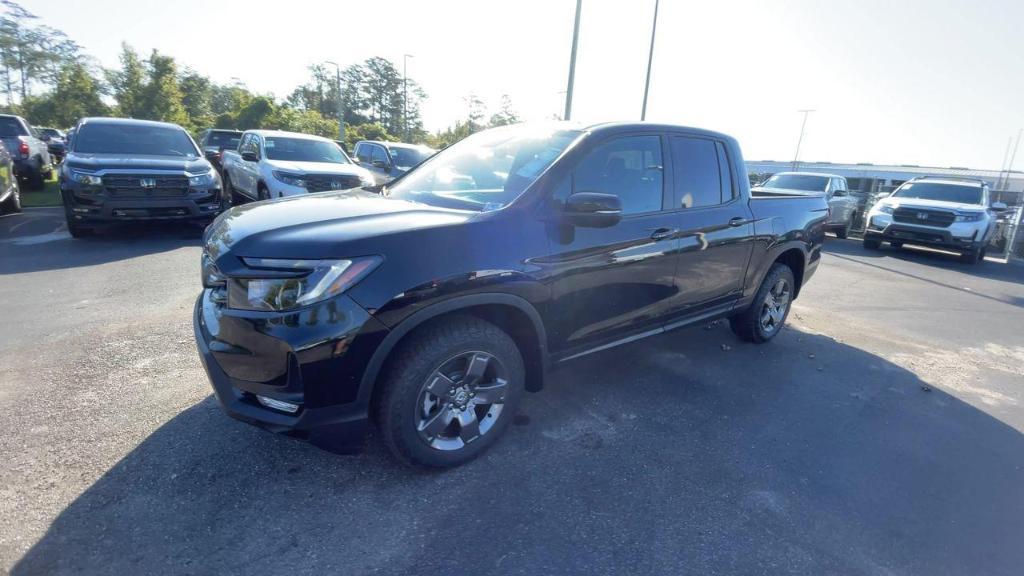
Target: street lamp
[
  {"x": 650, "y": 60},
  {"x": 341, "y": 112},
  {"x": 405, "y": 95},
  {"x": 572, "y": 62},
  {"x": 800, "y": 140}
]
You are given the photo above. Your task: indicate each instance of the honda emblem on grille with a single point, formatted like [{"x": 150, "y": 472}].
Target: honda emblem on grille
[
  {"x": 922, "y": 215},
  {"x": 335, "y": 184},
  {"x": 147, "y": 182}
]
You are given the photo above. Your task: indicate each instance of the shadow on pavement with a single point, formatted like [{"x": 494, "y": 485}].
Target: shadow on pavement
[
  {"x": 37, "y": 239},
  {"x": 673, "y": 455}
]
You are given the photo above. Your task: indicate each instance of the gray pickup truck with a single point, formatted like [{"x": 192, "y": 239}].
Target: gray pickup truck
[{"x": 31, "y": 157}]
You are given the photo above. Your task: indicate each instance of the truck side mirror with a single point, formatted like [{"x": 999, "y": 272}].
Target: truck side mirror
[
  {"x": 593, "y": 209},
  {"x": 999, "y": 206},
  {"x": 250, "y": 156}
]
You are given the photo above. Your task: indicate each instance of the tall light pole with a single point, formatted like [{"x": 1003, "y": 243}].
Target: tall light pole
[
  {"x": 405, "y": 94},
  {"x": 572, "y": 62},
  {"x": 341, "y": 111},
  {"x": 650, "y": 60},
  {"x": 800, "y": 140},
  {"x": 1013, "y": 156}
]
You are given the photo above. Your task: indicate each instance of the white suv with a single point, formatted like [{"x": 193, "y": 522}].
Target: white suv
[{"x": 948, "y": 213}]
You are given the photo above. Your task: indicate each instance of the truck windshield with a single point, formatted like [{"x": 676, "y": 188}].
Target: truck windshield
[
  {"x": 133, "y": 139},
  {"x": 485, "y": 171},
  {"x": 805, "y": 182},
  {"x": 962, "y": 194},
  {"x": 303, "y": 150}
]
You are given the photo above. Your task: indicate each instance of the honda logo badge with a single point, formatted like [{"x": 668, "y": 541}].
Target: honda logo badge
[
  {"x": 147, "y": 182},
  {"x": 922, "y": 215}
]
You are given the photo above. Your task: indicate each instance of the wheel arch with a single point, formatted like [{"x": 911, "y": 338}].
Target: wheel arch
[
  {"x": 516, "y": 316},
  {"x": 795, "y": 259}
]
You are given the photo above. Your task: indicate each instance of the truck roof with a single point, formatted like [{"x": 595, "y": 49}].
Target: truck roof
[
  {"x": 261, "y": 132},
  {"x": 825, "y": 174},
  {"x": 126, "y": 121}
]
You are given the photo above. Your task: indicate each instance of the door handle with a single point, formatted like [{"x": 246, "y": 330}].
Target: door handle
[
  {"x": 737, "y": 221},
  {"x": 663, "y": 233}
]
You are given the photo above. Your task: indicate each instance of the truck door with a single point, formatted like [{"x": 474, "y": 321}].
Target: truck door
[
  {"x": 716, "y": 224},
  {"x": 607, "y": 283}
]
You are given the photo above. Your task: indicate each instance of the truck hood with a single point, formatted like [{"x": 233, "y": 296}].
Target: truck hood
[
  {"x": 324, "y": 225},
  {"x": 316, "y": 167},
  {"x": 98, "y": 162},
  {"x": 932, "y": 204}
]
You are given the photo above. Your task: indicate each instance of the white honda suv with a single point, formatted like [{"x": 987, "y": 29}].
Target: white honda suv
[{"x": 948, "y": 213}]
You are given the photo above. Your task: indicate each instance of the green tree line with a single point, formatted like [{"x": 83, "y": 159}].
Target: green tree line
[{"x": 49, "y": 79}]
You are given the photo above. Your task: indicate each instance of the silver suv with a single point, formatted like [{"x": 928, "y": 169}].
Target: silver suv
[{"x": 949, "y": 213}]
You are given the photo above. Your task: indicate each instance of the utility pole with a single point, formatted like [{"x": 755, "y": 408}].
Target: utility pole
[
  {"x": 803, "y": 125},
  {"x": 650, "y": 60},
  {"x": 572, "y": 62},
  {"x": 1013, "y": 156},
  {"x": 405, "y": 95},
  {"x": 341, "y": 111}
]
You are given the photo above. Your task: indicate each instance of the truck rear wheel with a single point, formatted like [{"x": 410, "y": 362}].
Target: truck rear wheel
[
  {"x": 450, "y": 392},
  {"x": 763, "y": 320}
]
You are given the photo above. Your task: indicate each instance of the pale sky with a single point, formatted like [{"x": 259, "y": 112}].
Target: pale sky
[{"x": 930, "y": 82}]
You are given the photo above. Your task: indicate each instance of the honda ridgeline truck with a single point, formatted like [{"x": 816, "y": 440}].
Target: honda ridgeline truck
[{"x": 431, "y": 307}]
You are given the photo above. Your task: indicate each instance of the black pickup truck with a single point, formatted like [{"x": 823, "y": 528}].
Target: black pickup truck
[
  {"x": 120, "y": 170},
  {"x": 429, "y": 306}
]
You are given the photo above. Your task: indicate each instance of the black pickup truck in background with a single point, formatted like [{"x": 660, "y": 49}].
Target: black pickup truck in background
[
  {"x": 432, "y": 306},
  {"x": 32, "y": 162},
  {"x": 120, "y": 170}
]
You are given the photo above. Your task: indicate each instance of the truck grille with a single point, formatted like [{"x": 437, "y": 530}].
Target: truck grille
[
  {"x": 924, "y": 217},
  {"x": 145, "y": 186},
  {"x": 325, "y": 182}
]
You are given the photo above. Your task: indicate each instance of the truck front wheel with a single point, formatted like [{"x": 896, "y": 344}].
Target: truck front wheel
[
  {"x": 450, "y": 391},
  {"x": 763, "y": 320}
]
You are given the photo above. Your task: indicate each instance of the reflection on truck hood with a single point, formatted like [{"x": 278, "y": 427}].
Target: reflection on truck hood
[
  {"x": 321, "y": 225},
  {"x": 94, "y": 162},
  {"x": 316, "y": 167}
]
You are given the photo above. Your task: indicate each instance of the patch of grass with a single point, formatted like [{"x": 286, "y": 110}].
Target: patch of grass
[{"x": 48, "y": 196}]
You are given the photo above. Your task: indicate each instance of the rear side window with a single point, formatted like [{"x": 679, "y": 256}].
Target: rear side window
[
  {"x": 725, "y": 170},
  {"x": 377, "y": 154},
  {"x": 363, "y": 152},
  {"x": 699, "y": 178},
  {"x": 11, "y": 127},
  {"x": 629, "y": 167}
]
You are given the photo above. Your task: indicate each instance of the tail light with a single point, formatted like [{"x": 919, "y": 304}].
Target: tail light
[{"x": 23, "y": 149}]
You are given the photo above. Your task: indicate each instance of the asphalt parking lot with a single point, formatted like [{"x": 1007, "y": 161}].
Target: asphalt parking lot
[{"x": 881, "y": 433}]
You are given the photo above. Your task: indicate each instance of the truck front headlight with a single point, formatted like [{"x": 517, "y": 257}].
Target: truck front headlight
[
  {"x": 885, "y": 209},
  {"x": 308, "y": 281},
  {"x": 969, "y": 216},
  {"x": 290, "y": 179},
  {"x": 208, "y": 178},
  {"x": 86, "y": 178}
]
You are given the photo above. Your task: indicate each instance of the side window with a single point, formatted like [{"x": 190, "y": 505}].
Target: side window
[
  {"x": 725, "y": 172},
  {"x": 698, "y": 174},
  {"x": 363, "y": 152},
  {"x": 629, "y": 167},
  {"x": 377, "y": 154}
]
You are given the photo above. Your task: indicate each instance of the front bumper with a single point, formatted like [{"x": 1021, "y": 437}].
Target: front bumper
[
  {"x": 313, "y": 358},
  {"x": 958, "y": 236},
  {"x": 199, "y": 203}
]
